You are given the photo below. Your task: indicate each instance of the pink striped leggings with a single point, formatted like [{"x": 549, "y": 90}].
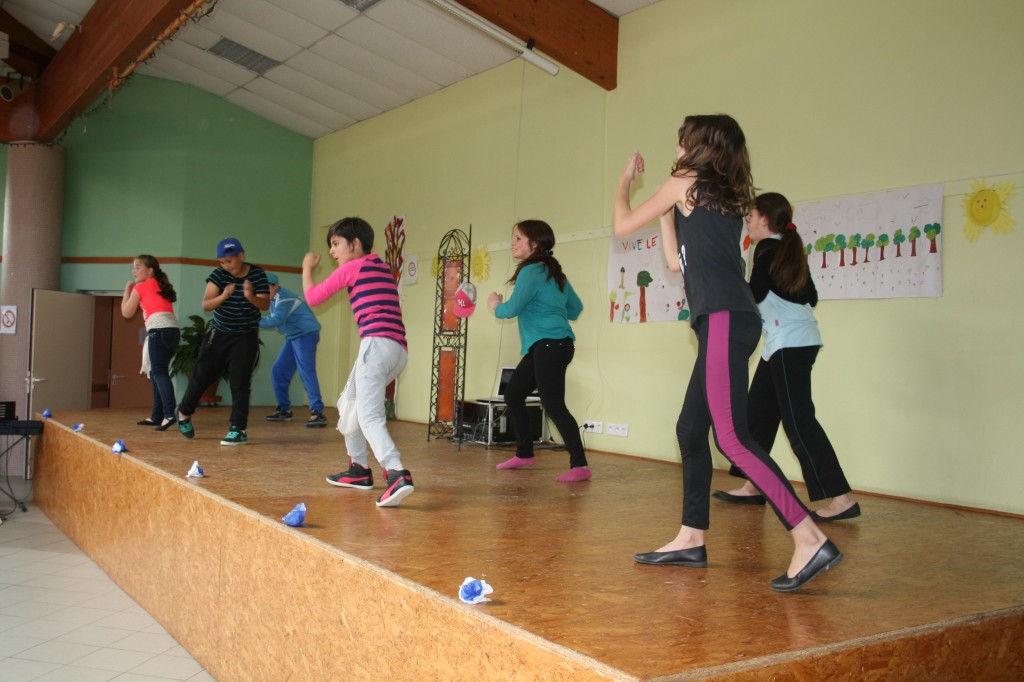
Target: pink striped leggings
[{"x": 716, "y": 398}]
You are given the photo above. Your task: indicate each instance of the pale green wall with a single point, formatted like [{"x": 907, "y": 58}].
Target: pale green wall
[
  {"x": 169, "y": 170},
  {"x": 919, "y": 396}
]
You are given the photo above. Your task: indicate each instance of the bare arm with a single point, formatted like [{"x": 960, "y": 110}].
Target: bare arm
[
  {"x": 628, "y": 220},
  {"x": 213, "y": 297},
  {"x": 261, "y": 301},
  {"x": 130, "y": 301},
  {"x": 669, "y": 245},
  {"x": 309, "y": 263}
]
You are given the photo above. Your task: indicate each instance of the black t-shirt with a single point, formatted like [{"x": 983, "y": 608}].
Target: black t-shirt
[
  {"x": 236, "y": 314},
  {"x": 762, "y": 281},
  {"x": 709, "y": 254}
]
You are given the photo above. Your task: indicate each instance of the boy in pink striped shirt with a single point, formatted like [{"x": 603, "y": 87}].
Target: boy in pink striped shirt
[{"x": 383, "y": 352}]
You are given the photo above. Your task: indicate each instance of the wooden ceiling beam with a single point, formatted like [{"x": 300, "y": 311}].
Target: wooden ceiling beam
[
  {"x": 29, "y": 54},
  {"x": 113, "y": 34},
  {"x": 578, "y": 34}
]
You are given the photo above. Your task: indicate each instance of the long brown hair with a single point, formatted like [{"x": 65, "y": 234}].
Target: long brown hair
[
  {"x": 166, "y": 289},
  {"x": 789, "y": 268},
  {"x": 715, "y": 151},
  {"x": 541, "y": 234}
]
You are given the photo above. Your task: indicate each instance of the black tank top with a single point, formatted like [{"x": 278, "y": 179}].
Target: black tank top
[{"x": 709, "y": 254}]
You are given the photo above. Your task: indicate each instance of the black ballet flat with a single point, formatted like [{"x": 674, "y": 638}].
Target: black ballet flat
[
  {"x": 851, "y": 513},
  {"x": 694, "y": 557},
  {"x": 827, "y": 556},
  {"x": 147, "y": 422},
  {"x": 167, "y": 424},
  {"x": 737, "y": 499}
]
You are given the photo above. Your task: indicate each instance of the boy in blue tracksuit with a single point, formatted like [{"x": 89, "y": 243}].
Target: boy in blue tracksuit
[{"x": 290, "y": 315}]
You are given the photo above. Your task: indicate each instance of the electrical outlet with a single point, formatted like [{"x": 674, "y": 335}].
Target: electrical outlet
[
  {"x": 593, "y": 427},
  {"x": 618, "y": 430}
]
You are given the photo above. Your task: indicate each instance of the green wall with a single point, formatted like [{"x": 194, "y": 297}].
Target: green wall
[
  {"x": 920, "y": 396},
  {"x": 167, "y": 169}
]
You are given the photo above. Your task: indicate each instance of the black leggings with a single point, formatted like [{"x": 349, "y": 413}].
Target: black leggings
[
  {"x": 781, "y": 392},
  {"x": 543, "y": 368},
  {"x": 716, "y": 398}
]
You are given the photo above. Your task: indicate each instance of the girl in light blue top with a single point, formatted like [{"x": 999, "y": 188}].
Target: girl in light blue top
[
  {"x": 781, "y": 389},
  {"x": 543, "y": 301}
]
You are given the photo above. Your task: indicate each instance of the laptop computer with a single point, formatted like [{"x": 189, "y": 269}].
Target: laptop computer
[{"x": 504, "y": 376}]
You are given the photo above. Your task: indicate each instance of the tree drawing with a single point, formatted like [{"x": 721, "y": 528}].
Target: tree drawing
[
  {"x": 883, "y": 241},
  {"x": 841, "y": 245},
  {"x": 915, "y": 232},
  {"x": 622, "y": 277},
  {"x": 612, "y": 305},
  {"x": 898, "y": 238},
  {"x": 825, "y": 245},
  {"x": 932, "y": 231},
  {"x": 643, "y": 280},
  {"x": 866, "y": 243},
  {"x": 855, "y": 244},
  {"x": 807, "y": 250}
]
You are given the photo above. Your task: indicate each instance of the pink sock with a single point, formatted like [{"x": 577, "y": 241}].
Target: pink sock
[
  {"x": 575, "y": 474},
  {"x": 516, "y": 463}
]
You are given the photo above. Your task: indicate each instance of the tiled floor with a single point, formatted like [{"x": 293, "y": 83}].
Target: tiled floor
[{"x": 62, "y": 619}]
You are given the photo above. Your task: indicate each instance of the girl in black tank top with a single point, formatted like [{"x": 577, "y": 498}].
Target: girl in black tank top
[{"x": 700, "y": 208}]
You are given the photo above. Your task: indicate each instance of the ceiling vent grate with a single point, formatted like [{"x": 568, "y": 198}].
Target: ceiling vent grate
[
  {"x": 243, "y": 56},
  {"x": 360, "y": 5}
]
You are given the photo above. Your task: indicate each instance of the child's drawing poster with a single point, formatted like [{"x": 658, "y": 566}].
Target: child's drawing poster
[
  {"x": 640, "y": 286},
  {"x": 882, "y": 245}
]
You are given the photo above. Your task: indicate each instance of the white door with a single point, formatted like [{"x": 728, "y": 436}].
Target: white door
[{"x": 60, "y": 353}]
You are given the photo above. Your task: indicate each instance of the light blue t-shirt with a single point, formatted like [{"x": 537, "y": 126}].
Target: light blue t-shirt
[{"x": 543, "y": 310}]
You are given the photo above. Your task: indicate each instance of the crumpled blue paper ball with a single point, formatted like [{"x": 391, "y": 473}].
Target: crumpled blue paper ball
[
  {"x": 196, "y": 471},
  {"x": 473, "y": 591},
  {"x": 78, "y": 427},
  {"x": 118, "y": 447},
  {"x": 47, "y": 414},
  {"x": 296, "y": 516}
]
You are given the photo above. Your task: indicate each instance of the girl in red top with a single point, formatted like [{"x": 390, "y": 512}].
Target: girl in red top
[{"x": 150, "y": 289}]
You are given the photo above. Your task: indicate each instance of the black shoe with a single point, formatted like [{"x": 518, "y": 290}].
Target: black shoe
[
  {"x": 147, "y": 422},
  {"x": 279, "y": 415},
  {"x": 694, "y": 557},
  {"x": 827, "y": 556},
  {"x": 357, "y": 476},
  {"x": 399, "y": 487},
  {"x": 166, "y": 424},
  {"x": 851, "y": 513},
  {"x": 316, "y": 420},
  {"x": 737, "y": 499}
]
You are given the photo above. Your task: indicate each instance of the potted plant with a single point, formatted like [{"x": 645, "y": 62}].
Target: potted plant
[{"x": 187, "y": 354}]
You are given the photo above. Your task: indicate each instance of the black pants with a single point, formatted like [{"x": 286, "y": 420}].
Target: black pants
[
  {"x": 543, "y": 368},
  {"x": 716, "y": 399},
  {"x": 781, "y": 392},
  {"x": 238, "y": 354}
]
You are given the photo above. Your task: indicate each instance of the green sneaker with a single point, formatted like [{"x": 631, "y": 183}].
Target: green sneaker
[{"x": 236, "y": 436}]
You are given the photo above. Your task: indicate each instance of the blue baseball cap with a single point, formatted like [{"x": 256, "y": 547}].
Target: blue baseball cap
[
  {"x": 271, "y": 278},
  {"x": 229, "y": 247}
]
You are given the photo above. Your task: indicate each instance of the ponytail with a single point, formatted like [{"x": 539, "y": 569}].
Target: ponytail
[
  {"x": 166, "y": 288},
  {"x": 789, "y": 267}
]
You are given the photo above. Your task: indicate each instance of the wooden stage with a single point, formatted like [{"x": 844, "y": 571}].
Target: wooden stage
[{"x": 924, "y": 593}]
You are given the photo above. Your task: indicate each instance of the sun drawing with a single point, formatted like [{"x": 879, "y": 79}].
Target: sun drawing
[
  {"x": 481, "y": 264},
  {"x": 986, "y": 207}
]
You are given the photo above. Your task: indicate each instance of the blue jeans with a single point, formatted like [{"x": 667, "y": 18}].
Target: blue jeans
[
  {"x": 298, "y": 353},
  {"x": 161, "y": 344}
]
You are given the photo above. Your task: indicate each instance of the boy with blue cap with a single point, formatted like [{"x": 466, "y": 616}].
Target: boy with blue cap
[{"x": 236, "y": 292}]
